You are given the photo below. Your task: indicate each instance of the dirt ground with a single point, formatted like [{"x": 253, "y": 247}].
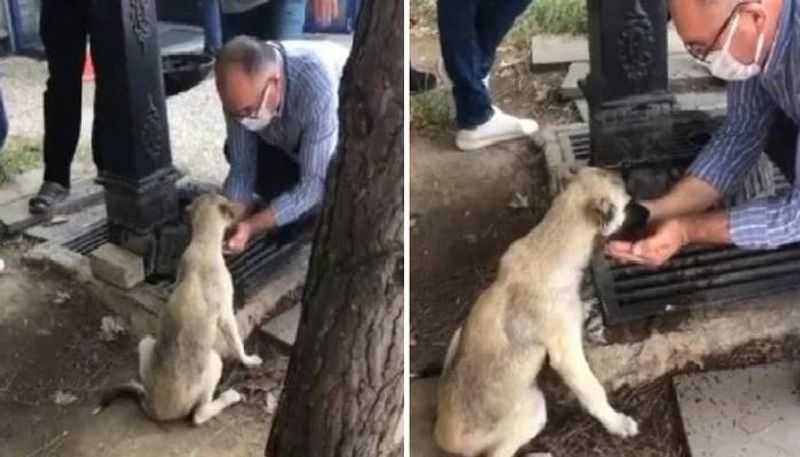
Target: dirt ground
[{"x": 55, "y": 359}]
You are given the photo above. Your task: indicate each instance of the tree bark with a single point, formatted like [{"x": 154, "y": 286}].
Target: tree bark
[{"x": 343, "y": 394}]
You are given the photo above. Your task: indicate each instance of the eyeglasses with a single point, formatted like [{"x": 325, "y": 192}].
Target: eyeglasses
[
  {"x": 700, "y": 51},
  {"x": 252, "y": 112}
]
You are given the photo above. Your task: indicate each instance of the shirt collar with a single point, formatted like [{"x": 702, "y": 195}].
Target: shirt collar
[
  {"x": 782, "y": 37},
  {"x": 284, "y": 74}
]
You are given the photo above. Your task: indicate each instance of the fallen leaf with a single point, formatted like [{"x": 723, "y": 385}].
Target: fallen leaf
[
  {"x": 111, "y": 327},
  {"x": 520, "y": 201},
  {"x": 61, "y": 297},
  {"x": 64, "y": 398}
]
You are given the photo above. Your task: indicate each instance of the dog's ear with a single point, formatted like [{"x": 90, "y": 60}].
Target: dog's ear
[
  {"x": 562, "y": 176},
  {"x": 601, "y": 211},
  {"x": 227, "y": 211}
]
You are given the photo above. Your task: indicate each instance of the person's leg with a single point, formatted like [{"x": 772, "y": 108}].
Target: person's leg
[
  {"x": 781, "y": 145},
  {"x": 458, "y": 40},
  {"x": 3, "y": 122},
  {"x": 277, "y": 172},
  {"x": 212, "y": 25},
  {"x": 283, "y": 20},
  {"x": 63, "y": 32},
  {"x": 493, "y": 21},
  {"x": 245, "y": 23}
]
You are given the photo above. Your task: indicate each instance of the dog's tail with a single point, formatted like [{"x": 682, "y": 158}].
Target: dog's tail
[{"x": 131, "y": 389}]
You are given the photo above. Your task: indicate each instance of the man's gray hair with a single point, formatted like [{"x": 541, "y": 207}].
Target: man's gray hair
[{"x": 249, "y": 54}]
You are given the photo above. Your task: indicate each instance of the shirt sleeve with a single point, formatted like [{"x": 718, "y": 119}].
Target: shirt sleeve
[
  {"x": 317, "y": 147},
  {"x": 242, "y": 150},
  {"x": 736, "y": 145},
  {"x": 768, "y": 222}
]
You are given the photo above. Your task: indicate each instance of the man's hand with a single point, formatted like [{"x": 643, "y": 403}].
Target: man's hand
[
  {"x": 325, "y": 11},
  {"x": 664, "y": 239},
  {"x": 238, "y": 238}
]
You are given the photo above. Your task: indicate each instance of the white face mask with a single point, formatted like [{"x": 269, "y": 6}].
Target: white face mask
[
  {"x": 724, "y": 66},
  {"x": 261, "y": 119}
]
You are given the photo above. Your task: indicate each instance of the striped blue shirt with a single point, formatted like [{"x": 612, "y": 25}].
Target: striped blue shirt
[
  {"x": 307, "y": 128},
  {"x": 768, "y": 222}
]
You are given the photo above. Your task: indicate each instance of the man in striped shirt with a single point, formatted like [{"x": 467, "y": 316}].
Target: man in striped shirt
[
  {"x": 280, "y": 102},
  {"x": 755, "y": 45}
]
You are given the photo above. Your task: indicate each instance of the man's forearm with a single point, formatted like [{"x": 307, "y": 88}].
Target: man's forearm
[
  {"x": 707, "y": 228},
  {"x": 690, "y": 195},
  {"x": 263, "y": 220}
]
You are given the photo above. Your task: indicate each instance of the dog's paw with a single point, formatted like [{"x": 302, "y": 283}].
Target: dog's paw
[
  {"x": 252, "y": 361},
  {"x": 231, "y": 396},
  {"x": 624, "y": 426}
]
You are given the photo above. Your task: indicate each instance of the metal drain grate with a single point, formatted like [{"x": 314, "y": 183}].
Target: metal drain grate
[
  {"x": 250, "y": 270},
  {"x": 92, "y": 238},
  {"x": 697, "y": 276}
]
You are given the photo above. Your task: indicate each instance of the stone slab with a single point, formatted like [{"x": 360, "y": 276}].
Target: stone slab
[
  {"x": 141, "y": 305},
  {"x": 282, "y": 282},
  {"x": 283, "y": 327},
  {"x": 684, "y": 73},
  {"x": 549, "y": 51},
  {"x": 74, "y": 225},
  {"x": 15, "y": 217},
  {"x": 751, "y": 412},
  {"x": 117, "y": 266}
]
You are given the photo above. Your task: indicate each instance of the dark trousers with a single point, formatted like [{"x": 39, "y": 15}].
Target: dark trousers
[
  {"x": 212, "y": 25},
  {"x": 470, "y": 32},
  {"x": 3, "y": 122},
  {"x": 781, "y": 146},
  {"x": 64, "y": 26},
  {"x": 277, "y": 172},
  {"x": 274, "y": 20}
]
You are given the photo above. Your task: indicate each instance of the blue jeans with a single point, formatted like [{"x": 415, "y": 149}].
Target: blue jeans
[
  {"x": 274, "y": 20},
  {"x": 212, "y": 25},
  {"x": 470, "y": 32}
]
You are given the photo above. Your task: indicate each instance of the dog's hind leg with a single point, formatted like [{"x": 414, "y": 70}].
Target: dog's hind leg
[
  {"x": 568, "y": 359},
  {"x": 521, "y": 425},
  {"x": 210, "y": 406}
]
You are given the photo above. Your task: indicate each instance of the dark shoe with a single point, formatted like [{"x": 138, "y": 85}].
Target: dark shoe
[{"x": 49, "y": 195}]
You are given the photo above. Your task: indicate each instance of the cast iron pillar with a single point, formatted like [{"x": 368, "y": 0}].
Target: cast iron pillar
[
  {"x": 629, "y": 102},
  {"x": 132, "y": 136}
]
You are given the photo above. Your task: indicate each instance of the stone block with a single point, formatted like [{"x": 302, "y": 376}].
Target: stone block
[{"x": 116, "y": 266}]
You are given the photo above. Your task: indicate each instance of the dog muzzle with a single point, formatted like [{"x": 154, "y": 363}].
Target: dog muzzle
[{"x": 636, "y": 216}]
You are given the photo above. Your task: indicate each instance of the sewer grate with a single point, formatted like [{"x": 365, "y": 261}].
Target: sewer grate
[
  {"x": 90, "y": 239},
  {"x": 250, "y": 270},
  {"x": 702, "y": 275}
]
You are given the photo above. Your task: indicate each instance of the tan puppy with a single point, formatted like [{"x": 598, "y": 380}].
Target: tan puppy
[
  {"x": 180, "y": 369},
  {"x": 488, "y": 399}
]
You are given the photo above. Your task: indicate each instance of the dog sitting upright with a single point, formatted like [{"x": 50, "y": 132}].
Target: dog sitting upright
[
  {"x": 180, "y": 369},
  {"x": 488, "y": 401}
]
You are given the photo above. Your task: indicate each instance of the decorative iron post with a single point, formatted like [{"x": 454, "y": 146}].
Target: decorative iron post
[
  {"x": 132, "y": 135},
  {"x": 629, "y": 102}
]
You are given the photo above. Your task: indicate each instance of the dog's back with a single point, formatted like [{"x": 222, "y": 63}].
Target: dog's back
[{"x": 189, "y": 320}]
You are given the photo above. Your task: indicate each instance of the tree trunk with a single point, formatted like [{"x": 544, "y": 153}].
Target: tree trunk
[{"x": 343, "y": 394}]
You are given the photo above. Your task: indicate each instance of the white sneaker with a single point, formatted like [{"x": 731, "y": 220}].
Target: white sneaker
[{"x": 500, "y": 127}]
